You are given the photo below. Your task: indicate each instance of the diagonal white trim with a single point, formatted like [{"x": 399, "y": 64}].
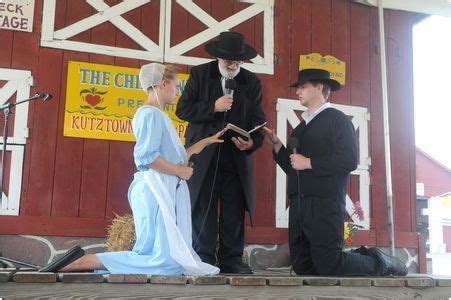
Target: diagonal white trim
[
  {"x": 198, "y": 12},
  {"x": 7, "y": 91},
  {"x": 214, "y": 31},
  {"x": 101, "y": 17},
  {"x": 127, "y": 28}
]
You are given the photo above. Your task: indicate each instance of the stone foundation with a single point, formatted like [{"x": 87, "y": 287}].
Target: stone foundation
[{"x": 41, "y": 250}]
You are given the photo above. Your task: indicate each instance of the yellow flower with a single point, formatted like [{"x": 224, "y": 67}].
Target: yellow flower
[{"x": 346, "y": 231}]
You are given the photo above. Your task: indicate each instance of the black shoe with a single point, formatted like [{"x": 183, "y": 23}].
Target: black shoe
[
  {"x": 237, "y": 268},
  {"x": 388, "y": 265},
  {"x": 362, "y": 250},
  {"x": 71, "y": 255}
]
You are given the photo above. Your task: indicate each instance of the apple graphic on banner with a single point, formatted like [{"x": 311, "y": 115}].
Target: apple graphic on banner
[
  {"x": 93, "y": 97},
  {"x": 93, "y": 100}
]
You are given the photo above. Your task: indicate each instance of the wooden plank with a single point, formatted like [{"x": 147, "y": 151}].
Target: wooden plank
[
  {"x": 359, "y": 76},
  {"x": 247, "y": 281},
  {"x": 34, "y": 277},
  {"x": 341, "y": 45},
  {"x": 126, "y": 278},
  {"x": 5, "y": 275},
  {"x": 377, "y": 176},
  {"x": 272, "y": 88},
  {"x": 68, "y": 159},
  {"x": 179, "y": 30},
  {"x": 61, "y": 13},
  {"x": 80, "y": 278},
  {"x": 160, "y": 279},
  {"x": 263, "y": 234},
  {"x": 400, "y": 66},
  {"x": 247, "y": 28},
  {"x": 150, "y": 20},
  {"x": 7, "y": 47},
  {"x": 422, "y": 261},
  {"x": 321, "y": 26},
  {"x": 355, "y": 282},
  {"x": 53, "y": 226},
  {"x": 43, "y": 133},
  {"x": 285, "y": 281},
  {"x": 301, "y": 20},
  {"x": 118, "y": 171},
  {"x": 195, "y": 26},
  {"x": 402, "y": 239},
  {"x": 93, "y": 196},
  {"x": 389, "y": 282},
  {"x": 95, "y": 155},
  {"x": 26, "y": 44},
  {"x": 420, "y": 282},
  {"x": 207, "y": 280},
  {"x": 120, "y": 161}
]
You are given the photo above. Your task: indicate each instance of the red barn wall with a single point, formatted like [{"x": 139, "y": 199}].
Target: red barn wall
[
  {"x": 435, "y": 176},
  {"x": 73, "y": 187}
]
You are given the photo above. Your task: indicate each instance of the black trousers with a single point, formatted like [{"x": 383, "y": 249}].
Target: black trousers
[
  {"x": 316, "y": 239},
  {"x": 229, "y": 193}
]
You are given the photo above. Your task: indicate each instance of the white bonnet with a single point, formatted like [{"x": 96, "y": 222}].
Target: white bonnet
[{"x": 151, "y": 75}]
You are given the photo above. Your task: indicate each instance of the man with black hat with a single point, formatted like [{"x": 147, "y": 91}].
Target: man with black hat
[
  {"x": 217, "y": 93},
  {"x": 318, "y": 173}
]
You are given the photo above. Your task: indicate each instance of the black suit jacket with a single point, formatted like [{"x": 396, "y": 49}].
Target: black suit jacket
[
  {"x": 196, "y": 105},
  {"x": 329, "y": 140}
]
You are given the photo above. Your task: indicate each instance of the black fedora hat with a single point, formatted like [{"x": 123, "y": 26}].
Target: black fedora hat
[
  {"x": 316, "y": 75},
  {"x": 230, "y": 46}
]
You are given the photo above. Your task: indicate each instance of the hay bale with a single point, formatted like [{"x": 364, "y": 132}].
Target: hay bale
[{"x": 121, "y": 234}]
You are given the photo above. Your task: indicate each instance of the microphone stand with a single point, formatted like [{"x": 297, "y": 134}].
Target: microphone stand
[{"x": 6, "y": 112}]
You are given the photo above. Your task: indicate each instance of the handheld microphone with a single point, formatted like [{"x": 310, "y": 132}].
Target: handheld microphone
[
  {"x": 230, "y": 85},
  {"x": 293, "y": 144},
  {"x": 191, "y": 162}
]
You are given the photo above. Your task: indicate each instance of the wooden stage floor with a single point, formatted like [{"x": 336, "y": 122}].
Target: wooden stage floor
[{"x": 271, "y": 284}]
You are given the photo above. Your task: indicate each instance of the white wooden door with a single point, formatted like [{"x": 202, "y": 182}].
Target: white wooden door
[
  {"x": 16, "y": 82},
  {"x": 286, "y": 114}
]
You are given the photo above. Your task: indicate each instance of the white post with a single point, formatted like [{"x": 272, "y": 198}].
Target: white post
[{"x": 386, "y": 128}]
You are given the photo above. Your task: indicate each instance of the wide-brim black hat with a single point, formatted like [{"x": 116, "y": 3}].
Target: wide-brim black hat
[
  {"x": 230, "y": 46},
  {"x": 316, "y": 75}
]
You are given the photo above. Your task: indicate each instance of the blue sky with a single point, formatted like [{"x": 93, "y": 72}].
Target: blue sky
[{"x": 432, "y": 87}]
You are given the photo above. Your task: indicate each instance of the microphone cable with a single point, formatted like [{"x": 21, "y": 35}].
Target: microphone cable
[
  {"x": 293, "y": 143},
  {"x": 230, "y": 84}
]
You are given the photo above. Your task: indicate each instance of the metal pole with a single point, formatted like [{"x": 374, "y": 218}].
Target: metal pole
[
  {"x": 386, "y": 128},
  {"x": 6, "y": 112}
]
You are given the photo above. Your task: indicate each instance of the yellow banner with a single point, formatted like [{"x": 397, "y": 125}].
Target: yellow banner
[
  {"x": 101, "y": 101},
  {"x": 336, "y": 67}
]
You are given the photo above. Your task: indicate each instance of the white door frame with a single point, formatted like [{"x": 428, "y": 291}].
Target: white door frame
[
  {"x": 17, "y": 82},
  {"x": 286, "y": 114},
  {"x": 160, "y": 50}
]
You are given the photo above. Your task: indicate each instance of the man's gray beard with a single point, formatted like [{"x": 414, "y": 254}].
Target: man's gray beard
[{"x": 227, "y": 74}]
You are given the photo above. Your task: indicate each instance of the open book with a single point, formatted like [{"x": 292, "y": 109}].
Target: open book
[{"x": 244, "y": 133}]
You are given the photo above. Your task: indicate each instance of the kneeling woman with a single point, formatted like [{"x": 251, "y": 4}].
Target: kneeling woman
[{"x": 158, "y": 195}]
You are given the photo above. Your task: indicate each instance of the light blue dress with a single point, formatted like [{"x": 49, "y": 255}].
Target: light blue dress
[{"x": 161, "y": 211}]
